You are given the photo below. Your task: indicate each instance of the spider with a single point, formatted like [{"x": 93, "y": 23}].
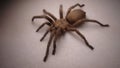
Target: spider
[{"x": 58, "y": 27}]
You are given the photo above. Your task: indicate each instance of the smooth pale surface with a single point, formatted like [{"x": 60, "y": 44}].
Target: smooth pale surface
[{"x": 20, "y": 46}]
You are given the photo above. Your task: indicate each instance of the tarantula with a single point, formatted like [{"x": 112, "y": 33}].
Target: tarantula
[{"x": 58, "y": 27}]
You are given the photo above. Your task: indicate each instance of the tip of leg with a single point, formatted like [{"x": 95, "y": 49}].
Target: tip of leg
[
  {"x": 37, "y": 30},
  {"x": 32, "y": 19},
  {"x": 41, "y": 40},
  {"x": 44, "y": 60},
  {"x": 44, "y": 10},
  {"x": 92, "y": 48},
  {"x": 83, "y": 5},
  {"x": 107, "y": 25},
  {"x": 60, "y": 5},
  {"x": 53, "y": 53}
]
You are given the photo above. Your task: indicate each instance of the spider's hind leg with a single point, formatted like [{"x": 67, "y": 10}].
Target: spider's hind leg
[
  {"x": 89, "y": 20},
  {"x": 83, "y": 37},
  {"x": 95, "y": 21}
]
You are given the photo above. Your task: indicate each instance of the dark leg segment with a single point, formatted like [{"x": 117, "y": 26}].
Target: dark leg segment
[
  {"x": 48, "y": 45},
  {"x": 46, "y": 23},
  {"x": 58, "y": 32},
  {"x": 95, "y": 21},
  {"x": 61, "y": 12},
  {"x": 51, "y": 15},
  {"x": 72, "y": 7},
  {"x": 44, "y": 35},
  {"x": 54, "y": 46},
  {"x": 86, "y": 42},
  {"x": 88, "y": 20},
  {"x": 43, "y": 16}
]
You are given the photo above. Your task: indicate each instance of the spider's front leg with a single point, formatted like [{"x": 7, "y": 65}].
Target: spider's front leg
[
  {"x": 46, "y": 23},
  {"x": 51, "y": 15},
  {"x": 81, "y": 35},
  {"x": 43, "y": 16},
  {"x": 61, "y": 12}
]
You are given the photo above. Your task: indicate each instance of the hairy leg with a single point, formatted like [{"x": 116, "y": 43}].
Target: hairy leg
[
  {"x": 58, "y": 32},
  {"x": 51, "y": 15},
  {"x": 54, "y": 46},
  {"x": 81, "y": 35},
  {"x": 61, "y": 12},
  {"x": 95, "y": 21},
  {"x": 48, "y": 45},
  {"x": 43, "y": 16},
  {"x": 46, "y": 33},
  {"x": 89, "y": 20},
  {"x": 72, "y": 7},
  {"x": 46, "y": 23}
]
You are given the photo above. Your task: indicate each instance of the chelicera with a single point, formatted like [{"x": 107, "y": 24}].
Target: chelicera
[{"x": 58, "y": 27}]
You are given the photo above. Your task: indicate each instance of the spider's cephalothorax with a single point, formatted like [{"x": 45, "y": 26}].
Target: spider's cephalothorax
[{"x": 57, "y": 27}]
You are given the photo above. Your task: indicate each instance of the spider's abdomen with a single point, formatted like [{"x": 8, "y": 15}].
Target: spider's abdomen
[{"x": 75, "y": 15}]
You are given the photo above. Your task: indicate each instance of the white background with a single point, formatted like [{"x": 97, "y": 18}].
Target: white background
[{"x": 20, "y": 46}]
